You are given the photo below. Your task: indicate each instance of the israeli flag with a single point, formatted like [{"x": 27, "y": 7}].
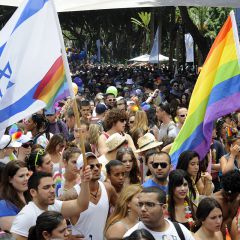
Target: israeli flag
[{"x": 29, "y": 46}]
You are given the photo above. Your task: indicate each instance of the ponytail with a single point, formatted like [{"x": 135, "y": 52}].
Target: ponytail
[{"x": 33, "y": 233}]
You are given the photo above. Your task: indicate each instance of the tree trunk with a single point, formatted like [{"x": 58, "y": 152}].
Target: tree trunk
[
  {"x": 193, "y": 30},
  {"x": 173, "y": 33}
]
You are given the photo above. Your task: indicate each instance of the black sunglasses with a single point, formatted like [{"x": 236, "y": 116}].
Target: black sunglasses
[
  {"x": 98, "y": 165},
  {"x": 161, "y": 164},
  {"x": 26, "y": 145}
]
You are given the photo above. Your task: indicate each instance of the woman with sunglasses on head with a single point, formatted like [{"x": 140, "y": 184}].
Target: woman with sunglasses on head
[
  {"x": 209, "y": 220},
  {"x": 13, "y": 187},
  {"x": 39, "y": 161},
  {"x": 127, "y": 157},
  {"x": 55, "y": 149},
  {"x": 114, "y": 122},
  {"x": 49, "y": 225},
  {"x": 189, "y": 161},
  {"x": 180, "y": 207},
  {"x": 126, "y": 213}
]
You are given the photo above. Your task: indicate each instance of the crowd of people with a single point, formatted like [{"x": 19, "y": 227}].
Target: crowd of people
[{"x": 128, "y": 189}]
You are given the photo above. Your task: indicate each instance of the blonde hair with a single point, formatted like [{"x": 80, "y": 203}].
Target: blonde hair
[
  {"x": 141, "y": 121},
  {"x": 121, "y": 208},
  {"x": 95, "y": 130}
]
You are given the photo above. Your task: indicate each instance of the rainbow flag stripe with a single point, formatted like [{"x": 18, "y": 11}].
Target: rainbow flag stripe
[
  {"x": 216, "y": 93},
  {"x": 53, "y": 86}
]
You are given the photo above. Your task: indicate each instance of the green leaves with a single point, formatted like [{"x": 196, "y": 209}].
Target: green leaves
[{"x": 145, "y": 18}]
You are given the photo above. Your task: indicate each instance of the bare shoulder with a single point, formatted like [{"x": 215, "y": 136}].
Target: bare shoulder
[
  {"x": 116, "y": 230},
  {"x": 108, "y": 186},
  {"x": 196, "y": 237}
]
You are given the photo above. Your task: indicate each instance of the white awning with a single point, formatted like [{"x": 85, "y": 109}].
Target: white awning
[
  {"x": 145, "y": 58},
  {"x": 83, "y": 5}
]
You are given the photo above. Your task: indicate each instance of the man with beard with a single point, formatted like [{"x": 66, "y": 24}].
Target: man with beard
[
  {"x": 91, "y": 222},
  {"x": 42, "y": 190},
  {"x": 159, "y": 164}
]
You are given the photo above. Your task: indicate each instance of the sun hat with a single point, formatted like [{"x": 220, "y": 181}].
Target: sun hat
[
  {"x": 114, "y": 141},
  {"x": 147, "y": 142},
  {"x": 6, "y": 141},
  {"x": 80, "y": 159}
]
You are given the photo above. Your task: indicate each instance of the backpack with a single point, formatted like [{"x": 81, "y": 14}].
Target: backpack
[{"x": 179, "y": 230}]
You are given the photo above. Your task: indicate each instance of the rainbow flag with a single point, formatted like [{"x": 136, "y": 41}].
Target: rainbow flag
[
  {"x": 216, "y": 93},
  {"x": 53, "y": 87}
]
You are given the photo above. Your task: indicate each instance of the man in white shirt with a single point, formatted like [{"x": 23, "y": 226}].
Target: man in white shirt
[
  {"x": 152, "y": 203},
  {"x": 42, "y": 190}
]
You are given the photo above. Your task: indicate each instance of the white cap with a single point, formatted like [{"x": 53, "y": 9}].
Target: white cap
[{"x": 6, "y": 141}]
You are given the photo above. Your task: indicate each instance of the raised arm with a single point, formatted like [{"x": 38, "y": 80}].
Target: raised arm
[
  {"x": 75, "y": 207},
  {"x": 227, "y": 165}
]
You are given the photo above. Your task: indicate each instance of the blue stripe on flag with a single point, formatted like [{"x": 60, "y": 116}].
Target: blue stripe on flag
[
  {"x": 225, "y": 89},
  {"x": 32, "y": 7},
  {"x": 189, "y": 144},
  {"x": 19, "y": 106},
  {"x": 2, "y": 48}
]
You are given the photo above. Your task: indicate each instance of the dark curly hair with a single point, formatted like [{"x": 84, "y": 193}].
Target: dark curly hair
[
  {"x": 113, "y": 116},
  {"x": 231, "y": 182}
]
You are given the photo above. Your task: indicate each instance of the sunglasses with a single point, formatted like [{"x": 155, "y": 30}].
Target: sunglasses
[
  {"x": 49, "y": 115},
  {"x": 26, "y": 145},
  {"x": 155, "y": 165},
  {"x": 98, "y": 165},
  {"x": 112, "y": 100}
]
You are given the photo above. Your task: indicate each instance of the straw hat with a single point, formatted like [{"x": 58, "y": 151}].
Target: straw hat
[
  {"x": 147, "y": 142},
  {"x": 114, "y": 141}
]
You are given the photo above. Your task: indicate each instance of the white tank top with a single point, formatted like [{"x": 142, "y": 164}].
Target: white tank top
[{"x": 92, "y": 221}]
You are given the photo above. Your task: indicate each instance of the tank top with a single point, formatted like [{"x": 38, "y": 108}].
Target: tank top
[{"x": 92, "y": 221}]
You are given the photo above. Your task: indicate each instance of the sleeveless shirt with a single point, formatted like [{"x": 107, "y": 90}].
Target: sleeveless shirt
[{"x": 92, "y": 221}]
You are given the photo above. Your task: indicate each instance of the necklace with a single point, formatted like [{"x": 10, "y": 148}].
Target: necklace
[
  {"x": 188, "y": 213},
  {"x": 95, "y": 194}
]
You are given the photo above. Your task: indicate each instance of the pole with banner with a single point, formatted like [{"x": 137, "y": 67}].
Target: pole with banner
[{"x": 69, "y": 80}]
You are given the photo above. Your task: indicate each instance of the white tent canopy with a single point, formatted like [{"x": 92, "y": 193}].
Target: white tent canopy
[
  {"x": 83, "y": 5},
  {"x": 145, "y": 58}
]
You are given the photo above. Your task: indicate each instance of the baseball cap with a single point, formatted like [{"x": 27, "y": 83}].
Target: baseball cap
[
  {"x": 80, "y": 159},
  {"x": 101, "y": 108}
]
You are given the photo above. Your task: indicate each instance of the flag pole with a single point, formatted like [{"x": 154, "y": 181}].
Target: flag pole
[{"x": 69, "y": 81}]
